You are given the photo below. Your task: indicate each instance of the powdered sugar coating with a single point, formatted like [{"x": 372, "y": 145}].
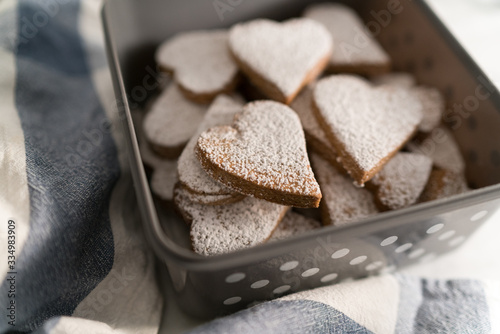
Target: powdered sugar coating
[
  {"x": 342, "y": 201},
  {"x": 191, "y": 175},
  {"x": 302, "y": 105},
  {"x": 432, "y": 101},
  {"x": 353, "y": 46},
  {"x": 400, "y": 79},
  {"x": 442, "y": 149},
  {"x": 293, "y": 224},
  {"x": 227, "y": 228},
  {"x": 284, "y": 53},
  {"x": 432, "y": 107},
  {"x": 173, "y": 119},
  {"x": 265, "y": 146},
  {"x": 200, "y": 60},
  {"x": 402, "y": 180},
  {"x": 315, "y": 136},
  {"x": 369, "y": 122},
  {"x": 163, "y": 180}
]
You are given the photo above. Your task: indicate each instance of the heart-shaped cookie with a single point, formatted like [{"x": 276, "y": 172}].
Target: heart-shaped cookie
[
  {"x": 433, "y": 106},
  {"x": 432, "y": 101},
  {"x": 342, "y": 202},
  {"x": 171, "y": 122},
  {"x": 356, "y": 51},
  {"x": 315, "y": 136},
  {"x": 201, "y": 63},
  {"x": 227, "y": 228},
  {"x": 448, "y": 175},
  {"x": 367, "y": 125},
  {"x": 442, "y": 148},
  {"x": 191, "y": 175},
  {"x": 281, "y": 58},
  {"x": 401, "y": 181},
  {"x": 262, "y": 155}
]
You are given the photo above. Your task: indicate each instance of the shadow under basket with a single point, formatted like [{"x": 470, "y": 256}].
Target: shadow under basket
[{"x": 418, "y": 43}]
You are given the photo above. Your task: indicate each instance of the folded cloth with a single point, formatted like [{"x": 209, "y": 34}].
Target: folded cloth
[
  {"x": 385, "y": 304},
  {"x": 65, "y": 186},
  {"x": 78, "y": 261}
]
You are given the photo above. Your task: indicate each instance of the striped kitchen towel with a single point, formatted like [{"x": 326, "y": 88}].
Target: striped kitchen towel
[
  {"x": 385, "y": 304},
  {"x": 73, "y": 257},
  {"x": 66, "y": 195}
]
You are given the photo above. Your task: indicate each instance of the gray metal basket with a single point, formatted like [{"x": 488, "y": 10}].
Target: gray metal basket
[{"x": 418, "y": 43}]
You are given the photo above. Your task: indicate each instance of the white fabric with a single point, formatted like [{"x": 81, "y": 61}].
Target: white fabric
[
  {"x": 364, "y": 301},
  {"x": 14, "y": 197}
]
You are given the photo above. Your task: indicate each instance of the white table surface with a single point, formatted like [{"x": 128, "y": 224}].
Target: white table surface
[{"x": 476, "y": 24}]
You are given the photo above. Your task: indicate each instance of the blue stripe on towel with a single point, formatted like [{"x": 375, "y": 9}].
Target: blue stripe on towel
[
  {"x": 442, "y": 306},
  {"x": 454, "y": 306},
  {"x": 71, "y": 163},
  {"x": 287, "y": 317}
]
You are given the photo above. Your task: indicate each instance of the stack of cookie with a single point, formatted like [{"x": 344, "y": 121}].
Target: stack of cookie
[{"x": 242, "y": 164}]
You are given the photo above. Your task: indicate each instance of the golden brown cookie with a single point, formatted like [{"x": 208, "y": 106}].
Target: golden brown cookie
[
  {"x": 280, "y": 58},
  {"x": 401, "y": 181},
  {"x": 356, "y": 51},
  {"x": 201, "y": 63},
  {"x": 367, "y": 125},
  {"x": 263, "y": 154},
  {"x": 171, "y": 122},
  {"x": 342, "y": 201},
  {"x": 227, "y": 228}
]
